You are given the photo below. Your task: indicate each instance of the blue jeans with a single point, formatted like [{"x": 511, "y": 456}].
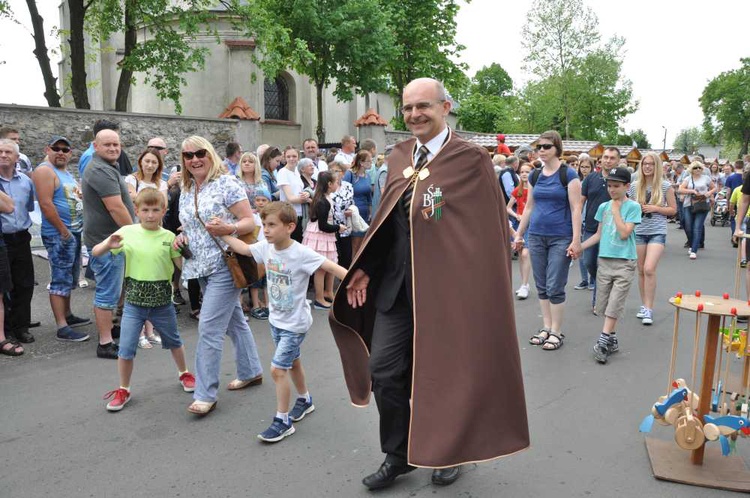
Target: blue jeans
[
  {"x": 163, "y": 318},
  {"x": 550, "y": 265},
  {"x": 221, "y": 314},
  {"x": 694, "y": 227},
  {"x": 109, "y": 271},
  {"x": 287, "y": 347},
  {"x": 589, "y": 258},
  {"x": 64, "y": 261}
]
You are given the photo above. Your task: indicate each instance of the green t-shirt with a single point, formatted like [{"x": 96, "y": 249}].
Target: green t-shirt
[
  {"x": 735, "y": 199},
  {"x": 611, "y": 245},
  {"x": 148, "y": 265}
]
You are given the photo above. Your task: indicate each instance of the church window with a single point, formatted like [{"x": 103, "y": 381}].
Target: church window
[{"x": 276, "y": 96}]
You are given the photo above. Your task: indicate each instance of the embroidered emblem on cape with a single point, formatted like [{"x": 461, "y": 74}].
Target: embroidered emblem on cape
[{"x": 432, "y": 203}]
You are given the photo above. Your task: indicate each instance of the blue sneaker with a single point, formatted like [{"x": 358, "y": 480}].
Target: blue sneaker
[
  {"x": 277, "y": 431},
  {"x": 68, "y": 334},
  {"x": 301, "y": 408}
]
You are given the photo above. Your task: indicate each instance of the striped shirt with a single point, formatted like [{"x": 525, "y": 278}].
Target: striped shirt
[{"x": 657, "y": 222}]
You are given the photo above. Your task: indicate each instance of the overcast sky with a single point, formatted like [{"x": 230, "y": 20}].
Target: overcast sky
[{"x": 673, "y": 48}]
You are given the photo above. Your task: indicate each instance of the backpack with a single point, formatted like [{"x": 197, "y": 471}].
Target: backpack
[
  {"x": 513, "y": 175},
  {"x": 562, "y": 171}
]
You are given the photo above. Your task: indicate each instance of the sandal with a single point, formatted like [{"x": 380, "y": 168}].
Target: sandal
[
  {"x": 539, "y": 338},
  {"x": 13, "y": 350},
  {"x": 202, "y": 407},
  {"x": 143, "y": 343},
  {"x": 237, "y": 384},
  {"x": 195, "y": 315},
  {"x": 553, "y": 345}
]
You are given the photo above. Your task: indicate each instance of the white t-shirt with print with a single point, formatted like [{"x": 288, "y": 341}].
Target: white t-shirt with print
[
  {"x": 288, "y": 177},
  {"x": 288, "y": 273}
]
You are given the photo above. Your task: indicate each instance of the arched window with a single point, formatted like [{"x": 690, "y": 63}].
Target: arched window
[{"x": 276, "y": 97}]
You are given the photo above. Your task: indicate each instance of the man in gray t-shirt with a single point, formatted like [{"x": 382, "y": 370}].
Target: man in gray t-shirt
[{"x": 106, "y": 207}]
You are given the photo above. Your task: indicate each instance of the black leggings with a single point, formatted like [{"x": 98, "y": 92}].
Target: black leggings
[{"x": 194, "y": 294}]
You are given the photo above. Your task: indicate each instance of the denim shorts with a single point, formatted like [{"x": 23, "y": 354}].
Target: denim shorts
[
  {"x": 655, "y": 238},
  {"x": 109, "y": 271},
  {"x": 163, "y": 319},
  {"x": 259, "y": 284},
  {"x": 64, "y": 261},
  {"x": 287, "y": 347}
]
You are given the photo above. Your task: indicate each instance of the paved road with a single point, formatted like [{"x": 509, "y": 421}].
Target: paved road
[{"x": 57, "y": 439}]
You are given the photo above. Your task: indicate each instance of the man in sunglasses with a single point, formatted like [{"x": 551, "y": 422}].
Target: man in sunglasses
[
  {"x": 446, "y": 377},
  {"x": 62, "y": 223},
  {"x": 108, "y": 207},
  {"x": 17, "y": 240}
]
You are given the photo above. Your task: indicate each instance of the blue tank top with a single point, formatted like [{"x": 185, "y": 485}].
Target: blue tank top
[{"x": 67, "y": 202}]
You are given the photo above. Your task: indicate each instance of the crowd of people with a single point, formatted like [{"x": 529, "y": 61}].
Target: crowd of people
[
  {"x": 560, "y": 208},
  {"x": 274, "y": 220}
]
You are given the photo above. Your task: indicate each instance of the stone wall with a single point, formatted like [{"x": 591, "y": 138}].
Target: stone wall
[{"x": 38, "y": 124}]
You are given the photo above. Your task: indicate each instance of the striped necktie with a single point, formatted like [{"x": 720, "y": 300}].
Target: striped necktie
[{"x": 421, "y": 161}]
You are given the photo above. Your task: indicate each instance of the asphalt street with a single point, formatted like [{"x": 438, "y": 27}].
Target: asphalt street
[{"x": 57, "y": 439}]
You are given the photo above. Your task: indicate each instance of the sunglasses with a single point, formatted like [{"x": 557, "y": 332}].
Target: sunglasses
[
  {"x": 544, "y": 146},
  {"x": 156, "y": 147},
  {"x": 64, "y": 150},
  {"x": 200, "y": 154}
]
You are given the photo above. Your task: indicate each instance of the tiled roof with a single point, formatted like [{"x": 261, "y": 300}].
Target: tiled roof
[
  {"x": 239, "y": 109},
  {"x": 515, "y": 141},
  {"x": 371, "y": 117}
]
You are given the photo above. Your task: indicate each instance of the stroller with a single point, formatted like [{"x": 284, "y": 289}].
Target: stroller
[{"x": 720, "y": 212}]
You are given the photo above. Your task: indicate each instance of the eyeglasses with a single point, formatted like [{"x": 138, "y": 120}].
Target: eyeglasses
[
  {"x": 420, "y": 106},
  {"x": 200, "y": 154},
  {"x": 156, "y": 147},
  {"x": 64, "y": 150},
  {"x": 544, "y": 146}
]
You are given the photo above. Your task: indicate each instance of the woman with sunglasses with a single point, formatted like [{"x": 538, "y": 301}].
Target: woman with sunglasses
[
  {"x": 553, "y": 218},
  {"x": 656, "y": 197},
  {"x": 697, "y": 189},
  {"x": 213, "y": 204}
]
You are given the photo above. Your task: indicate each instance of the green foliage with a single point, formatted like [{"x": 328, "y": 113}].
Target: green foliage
[
  {"x": 492, "y": 80},
  {"x": 167, "y": 47},
  {"x": 580, "y": 89},
  {"x": 726, "y": 106},
  {"x": 488, "y": 103},
  {"x": 688, "y": 140},
  {"x": 424, "y": 37}
]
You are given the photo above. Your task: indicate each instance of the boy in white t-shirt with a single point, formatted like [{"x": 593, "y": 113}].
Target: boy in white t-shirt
[{"x": 289, "y": 265}]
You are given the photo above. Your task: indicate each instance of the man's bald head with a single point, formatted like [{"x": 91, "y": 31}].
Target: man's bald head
[
  {"x": 439, "y": 89},
  {"x": 158, "y": 145},
  {"x": 425, "y": 107},
  {"x": 107, "y": 145}
]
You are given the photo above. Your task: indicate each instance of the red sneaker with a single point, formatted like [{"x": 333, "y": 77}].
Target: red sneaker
[
  {"x": 121, "y": 397},
  {"x": 188, "y": 382}
]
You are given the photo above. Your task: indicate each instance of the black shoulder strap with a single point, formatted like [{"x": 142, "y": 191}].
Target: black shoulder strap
[{"x": 562, "y": 171}]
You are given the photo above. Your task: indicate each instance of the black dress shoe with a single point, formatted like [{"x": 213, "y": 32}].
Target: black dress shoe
[
  {"x": 24, "y": 336},
  {"x": 443, "y": 477},
  {"x": 386, "y": 474},
  {"x": 33, "y": 325}
]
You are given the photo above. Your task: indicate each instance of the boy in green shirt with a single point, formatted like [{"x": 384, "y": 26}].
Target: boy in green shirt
[
  {"x": 148, "y": 290},
  {"x": 618, "y": 259}
]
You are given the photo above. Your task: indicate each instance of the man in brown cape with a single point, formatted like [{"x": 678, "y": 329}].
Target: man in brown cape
[{"x": 427, "y": 322}]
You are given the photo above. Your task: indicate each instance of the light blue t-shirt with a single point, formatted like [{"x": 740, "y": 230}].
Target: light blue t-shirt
[{"x": 611, "y": 245}]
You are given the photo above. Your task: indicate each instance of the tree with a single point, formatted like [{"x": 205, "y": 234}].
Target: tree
[
  {"x": 167, "y": 49},
  {"x": 486, "y": 107},
  {"x": 688, "y": 140},
  {"x": 558, "y": 34},
  {"x": 726, "y": 106},
  {"x": 639, "y": 137},
  {"x": 40, "y": 48},
  {"x": 343, "y": 40},
  {"x": 424, "y": 34},
  {"x": 76, "y": 41}
]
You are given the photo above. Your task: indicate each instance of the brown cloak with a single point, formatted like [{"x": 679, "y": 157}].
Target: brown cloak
[{"x": 468, "y": 401}]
